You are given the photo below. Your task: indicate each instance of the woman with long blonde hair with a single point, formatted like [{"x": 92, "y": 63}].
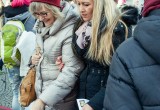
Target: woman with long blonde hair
[{"x": 96, "y": 36}]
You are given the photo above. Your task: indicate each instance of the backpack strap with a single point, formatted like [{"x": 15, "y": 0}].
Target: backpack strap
[{"x": 26, "y": 20}]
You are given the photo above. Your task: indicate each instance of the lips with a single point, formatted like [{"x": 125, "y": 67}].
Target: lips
[{"x": 84, "y": 15}]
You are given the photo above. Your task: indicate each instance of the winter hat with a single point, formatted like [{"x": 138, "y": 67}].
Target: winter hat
[
  {"x": 20, "y": 3},
  {"x": 150, "y": 5},
  {"x": 51, "y": 2}
]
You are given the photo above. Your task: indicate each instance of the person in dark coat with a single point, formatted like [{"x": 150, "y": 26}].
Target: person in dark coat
[
  {"x": 134, "y": 79},
  {"x": 94, "y": 41}
]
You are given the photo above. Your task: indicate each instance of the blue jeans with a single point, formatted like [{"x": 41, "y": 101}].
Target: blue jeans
[{"x": 15, "y": 80}]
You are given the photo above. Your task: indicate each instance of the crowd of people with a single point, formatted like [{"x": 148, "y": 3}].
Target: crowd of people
[
  {"x": 89, "y": 49},
  {"x": 17, "y": 10}
]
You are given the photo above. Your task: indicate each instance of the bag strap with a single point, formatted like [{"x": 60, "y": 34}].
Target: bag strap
[
  {"x": 38, "y": 49},
  {"x": 126, "y": 28}
]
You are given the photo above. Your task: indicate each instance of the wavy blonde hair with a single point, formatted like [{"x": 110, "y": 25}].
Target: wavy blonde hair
[
  {"x": 36, "y": 6},
  {"x": 101, "y": 48}
]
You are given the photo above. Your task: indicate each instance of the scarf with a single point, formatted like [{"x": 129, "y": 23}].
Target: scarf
[{"x": 84, "y": 34}]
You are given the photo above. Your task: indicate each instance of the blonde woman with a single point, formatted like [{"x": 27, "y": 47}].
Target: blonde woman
[
  {"x": 55, "y": 90},
  {"x": 96, "y": 35}
]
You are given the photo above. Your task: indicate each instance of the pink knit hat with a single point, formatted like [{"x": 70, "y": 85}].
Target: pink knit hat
[
  {"x": 150, "y": 5},
  {"x": 19, "y": 3},
  {"x": 51, "y": 2}
]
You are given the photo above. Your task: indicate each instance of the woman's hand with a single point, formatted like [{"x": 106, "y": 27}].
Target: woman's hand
[
  {"x": 87, "y": 107},
  {"x": 38, "y": 105},
  {"x": 35, "y": 59},
  {"x": 59, "y": 63}
]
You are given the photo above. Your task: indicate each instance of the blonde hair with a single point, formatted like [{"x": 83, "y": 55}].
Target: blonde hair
[
  {"x": 101, "y": 48},
  {"x": 35, "y": 6}
]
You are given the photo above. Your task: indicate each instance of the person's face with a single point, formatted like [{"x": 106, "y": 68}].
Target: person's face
[
  {"x": 45, "y": 16},
  {"x": 86, "y": 9}
]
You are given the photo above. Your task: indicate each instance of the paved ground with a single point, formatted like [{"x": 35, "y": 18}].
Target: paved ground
[{"x": 5, "y": 91}]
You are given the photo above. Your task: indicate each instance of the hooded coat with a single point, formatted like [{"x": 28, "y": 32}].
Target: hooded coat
[
  {"x": 134, "y": 79},
  {"x": 58, "y": 89}
]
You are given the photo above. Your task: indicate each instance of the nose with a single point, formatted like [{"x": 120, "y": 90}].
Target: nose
[
  {"x": 81, "y": 8},
  {"x": 40, "y": 18}
]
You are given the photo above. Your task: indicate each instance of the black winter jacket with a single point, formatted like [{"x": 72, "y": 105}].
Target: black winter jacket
[
  {"x": 93, "y": 77},
  {"x": 134, "y": 80}
]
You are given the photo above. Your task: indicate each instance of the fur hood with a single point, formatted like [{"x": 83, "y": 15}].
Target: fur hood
[{"x": 130, "y": 15}]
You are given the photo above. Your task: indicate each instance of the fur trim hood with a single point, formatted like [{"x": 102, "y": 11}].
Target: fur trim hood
[{"x": 130, "y": 15}]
